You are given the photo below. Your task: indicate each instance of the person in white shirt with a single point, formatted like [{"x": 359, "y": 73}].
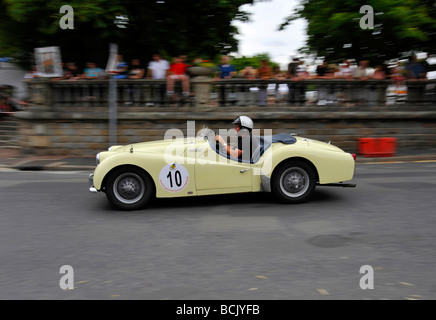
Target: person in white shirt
[
  {"x": 345, "y": 70},
  {"x": 158, "y": 70}
]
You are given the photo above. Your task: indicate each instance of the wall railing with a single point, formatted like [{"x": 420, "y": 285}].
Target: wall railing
[{"x": 233, "y": 92}]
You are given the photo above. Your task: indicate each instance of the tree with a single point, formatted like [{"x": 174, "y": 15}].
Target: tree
[
  {"x": 253, "y": 61},
  {"x": 172, "y": 27},
  {"x": 400, "y": 27}
]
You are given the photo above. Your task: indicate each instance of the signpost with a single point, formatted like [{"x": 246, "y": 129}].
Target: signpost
[{"x": 111, "y": 69}]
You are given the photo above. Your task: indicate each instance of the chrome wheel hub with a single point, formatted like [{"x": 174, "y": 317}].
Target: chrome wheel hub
[
  {"x": 294, "y": 182},
  {"x": 129, "y": 188}
]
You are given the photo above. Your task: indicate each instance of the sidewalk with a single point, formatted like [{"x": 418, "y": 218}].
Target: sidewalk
[{"x": 12, "y": 158}]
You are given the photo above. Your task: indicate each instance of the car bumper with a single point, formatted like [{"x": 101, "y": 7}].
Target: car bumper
[{"x": 91, "y": 183}]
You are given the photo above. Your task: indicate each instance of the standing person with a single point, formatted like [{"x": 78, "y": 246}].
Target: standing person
[
  {"x": 264, "y": 73},
  {"x": 280, "y": 89},
  {"x": 292, "y": 68},
  {"x": 379, "y": 73},
  {"x": 361, "y": 71},
  {"x": 158, "y": 70},
  {"x": 265, "y": 70},
  {"x": 278, "y": 74},
  {"x": 322, "y": 69},
  {"x": 135, "y": 72},
  {"x": 297, "y": 92},
  {"x": 345, "y": 71},
  {"x": 249, "y": 73},
  {"x": 225, "y": 70},
  {"x": 247, "y": 96},
  {"x": 92, "y": 71},
  {"x": 397, "y": 91},
  {"x": 122, "y": 68},
  {"x": 71, "y": 71},
  {"x": 416, "y": 69},
  {"x": 177, "y": 71},
  {"x": 302, "y": 73}
]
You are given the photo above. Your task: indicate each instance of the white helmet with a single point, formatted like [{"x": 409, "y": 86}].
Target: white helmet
[{"x": 244, "y": 122}]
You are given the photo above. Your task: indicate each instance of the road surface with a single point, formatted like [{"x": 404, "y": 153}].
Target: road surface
[{"x": 221, "y": 247}]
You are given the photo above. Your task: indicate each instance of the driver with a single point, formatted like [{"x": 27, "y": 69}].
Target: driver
[{"x": 243, "y": 147}]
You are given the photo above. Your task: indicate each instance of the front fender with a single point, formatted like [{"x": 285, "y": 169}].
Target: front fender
[
  {"x": 150, "y": 162},
  {"x": 121, "y": 159}
]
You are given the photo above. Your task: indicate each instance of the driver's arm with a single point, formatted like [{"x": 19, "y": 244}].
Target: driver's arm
[{"x": 234, "y": 153}]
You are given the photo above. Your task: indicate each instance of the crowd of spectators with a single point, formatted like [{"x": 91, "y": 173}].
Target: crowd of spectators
[
  {"x": 159, "y": 68},
  {"x": 178, "y": 70}
]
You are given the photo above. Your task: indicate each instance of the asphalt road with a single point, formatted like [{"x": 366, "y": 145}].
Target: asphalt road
[{"x": 221, "y": 247}]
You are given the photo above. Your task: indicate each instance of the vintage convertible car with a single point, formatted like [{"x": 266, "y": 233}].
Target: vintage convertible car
[{"x": 286, "y": 165}]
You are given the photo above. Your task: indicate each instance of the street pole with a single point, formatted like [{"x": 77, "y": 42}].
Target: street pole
[
  {"x": 113, "y": 50},
  {"x": 113, "y": 110}
]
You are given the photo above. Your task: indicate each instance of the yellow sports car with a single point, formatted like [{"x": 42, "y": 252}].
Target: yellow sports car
[{"x": 286, "y": 165}]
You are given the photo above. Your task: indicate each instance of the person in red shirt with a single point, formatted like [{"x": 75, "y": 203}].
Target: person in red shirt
[{"x": 177, "y": 71}]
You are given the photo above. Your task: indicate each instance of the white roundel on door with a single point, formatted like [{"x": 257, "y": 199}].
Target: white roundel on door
[{"x": 174, "y": 177}]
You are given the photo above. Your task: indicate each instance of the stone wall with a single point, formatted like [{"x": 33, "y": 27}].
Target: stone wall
[
  {"x": 72, "y": 117},
  {"x": 8, "y": 130},
  {"x": 76, "y": 132}
]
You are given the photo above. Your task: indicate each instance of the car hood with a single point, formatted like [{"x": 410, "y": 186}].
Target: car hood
[{"x": 158, "y": 146}]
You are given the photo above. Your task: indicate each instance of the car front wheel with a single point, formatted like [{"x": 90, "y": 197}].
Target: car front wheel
[
  {"x": 293, "y": 182},
  {"x": 129, "y": 188}
]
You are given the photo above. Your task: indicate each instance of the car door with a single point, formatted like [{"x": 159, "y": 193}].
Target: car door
[{"x": 215, "y": 173}]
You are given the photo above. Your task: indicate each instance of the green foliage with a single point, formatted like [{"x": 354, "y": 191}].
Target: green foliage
[
  {"x": 171, "y": 27},
  {"x": 253, "y": 61},
  {"x": 334, "y": 31}
]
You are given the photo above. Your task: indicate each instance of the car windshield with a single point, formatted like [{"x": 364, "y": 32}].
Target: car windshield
[{"x": 206, "y": 134}]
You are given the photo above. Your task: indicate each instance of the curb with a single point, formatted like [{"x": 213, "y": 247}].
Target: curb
[
  {"x": 63, "y": 164},
  {"x": 396, "y": 159},
  {"x": 52, "y": 164}
]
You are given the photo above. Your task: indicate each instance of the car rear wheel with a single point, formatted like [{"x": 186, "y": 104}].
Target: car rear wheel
[
  {"x": 293, "y": 182},
  {"x": 129, "y": 188}
]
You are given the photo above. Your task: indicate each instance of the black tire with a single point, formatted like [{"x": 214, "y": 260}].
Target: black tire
[
  {"x": 293, "y": 181},
  {"x": 129, "y": 188}
]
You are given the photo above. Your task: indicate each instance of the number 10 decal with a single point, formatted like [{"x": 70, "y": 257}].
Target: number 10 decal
[
  {"x": 174, "y": 177},
  {"x": 178, "y": 178}
]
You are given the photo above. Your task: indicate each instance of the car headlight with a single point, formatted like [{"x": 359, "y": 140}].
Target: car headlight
[{"x": 97, "y": 158}]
